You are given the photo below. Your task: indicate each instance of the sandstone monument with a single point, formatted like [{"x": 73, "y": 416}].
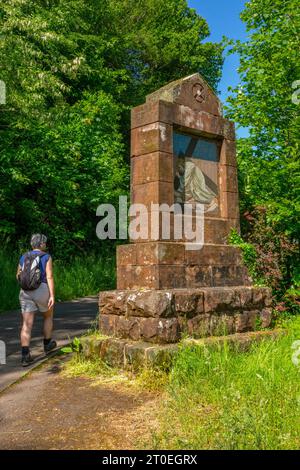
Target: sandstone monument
[{"x": 183, "y": 151}]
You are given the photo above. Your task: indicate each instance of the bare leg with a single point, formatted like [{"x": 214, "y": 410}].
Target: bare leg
[
  {"x": 28, "y": 318},
  {"x": 48, "y": 323}
]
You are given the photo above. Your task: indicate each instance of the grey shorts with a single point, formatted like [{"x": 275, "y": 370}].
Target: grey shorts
[{"x": 35, "y": 300}]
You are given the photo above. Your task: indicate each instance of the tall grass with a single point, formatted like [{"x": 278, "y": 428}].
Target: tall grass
[
  {"x": 84, "y": 276},
  {"x": 81, "y": 276},
  {"x": 221, "y": 399}
]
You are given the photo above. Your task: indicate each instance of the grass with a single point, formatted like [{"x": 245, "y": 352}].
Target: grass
[
  {"x": 83, "y": 276},
  {"x": 219, "y": 398},
  {"x": 91, "y": 368},
  {"x": 80, "y": 277},
  {"x": 222, "y": 399},
  {"x": 152, "y": 380}
]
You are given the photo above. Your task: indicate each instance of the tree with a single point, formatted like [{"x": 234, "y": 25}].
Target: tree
[
  {"x": 268, "y": 159},
  {"x": 72, "y": 69}
]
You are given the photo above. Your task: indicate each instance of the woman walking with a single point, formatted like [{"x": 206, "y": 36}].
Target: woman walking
[{"x": 35, "y": 275}]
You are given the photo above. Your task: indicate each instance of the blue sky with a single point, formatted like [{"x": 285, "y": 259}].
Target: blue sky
[{"x": 223, "y": 20}]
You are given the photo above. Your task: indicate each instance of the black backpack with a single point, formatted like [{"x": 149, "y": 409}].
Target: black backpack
[{"x": 30, "y": 275}]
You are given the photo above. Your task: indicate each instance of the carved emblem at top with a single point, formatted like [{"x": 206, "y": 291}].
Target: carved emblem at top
[{"x": 198, "y": 92}]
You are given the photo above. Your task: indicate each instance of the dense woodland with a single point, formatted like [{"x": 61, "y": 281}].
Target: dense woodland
[{"x": 74, "y": 68}]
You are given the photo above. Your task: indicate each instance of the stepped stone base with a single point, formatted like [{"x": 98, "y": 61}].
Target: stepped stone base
[
  {"x": 164, "y": 316},
  {"x": 135, "y": 355},
  {"x": 164, "y": 265}
]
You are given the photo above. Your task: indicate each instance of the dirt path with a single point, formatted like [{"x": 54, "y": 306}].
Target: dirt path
[
  {"x": 49, "y": 411},
  {"x": 71, "y": 319}
]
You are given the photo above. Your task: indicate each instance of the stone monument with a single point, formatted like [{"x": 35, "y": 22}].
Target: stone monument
[{"x": 183, "y": 151}]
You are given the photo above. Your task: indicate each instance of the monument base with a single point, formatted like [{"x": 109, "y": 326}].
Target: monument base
[
  {"x": 164, "y": 316},
  {"x": 135, "y": 355}
]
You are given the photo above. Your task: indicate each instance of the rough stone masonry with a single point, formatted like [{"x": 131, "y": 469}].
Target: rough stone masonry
[{"x": 183, "y": 152}]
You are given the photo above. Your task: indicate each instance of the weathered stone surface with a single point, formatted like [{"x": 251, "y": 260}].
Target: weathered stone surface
[
  {"x": 91, "y": 347},
  {"x": 188, "y": 303},
  {"x": 127, "y": 328},
  {"x": 230, "y": 276},
  {"x": 170, "y": 253},
  {"x": 246, "y": 321},
  {"x": 246, "y": 296},
  {"x": 113, "y": 302},
  {"x": 229, "y": 130},
  {"x": 126, "y": 277},
  {"x": 256, "y": 297},
  {"x": 205, "y": 325},
  {"x": 137, "y": 355},
  {"x": 154, "y": 137},
  {"x": 266, "y": 317},
  {"x": 160, "y": 330},
  {"x": 228, "y": 153},
  {"x": 222, "y": 325},
  {"x": 156, "y": 111},
  {"x": 241, "y": 322},
  {"x": 268, "y": 301},
  {"x": 208, "y": 310},
  {"x": 156, "y": 330},
  {"x": 198, "y": 327},
  {"x": 107, "y": 324},
  {"x": 214, "y": 255},
  {"x": 112, "y": 351},
  {"x": 262, "y": 296},
  {"x": 152, "y": 193},
  {"x": 160, "y": 253},
  {"x": 216, "y": 231},
  {"x": 198, "y": 120},
  {"x": 126, "y": 255},
  {"x": 134, "y": 277},
  {"x": 161, "y": 356},
  {"x": 192, "y": 91},
  {"x": 197, "y": 276},
  {"x": 150, "y": 303},
  {"x": 171, "y": 277},
  {"x": 152, "y": 167},
  {"x": 165, "y": 289},
  {"x": 230, "y": 205},
  {"x": 228, "y": 178},
  {"x": 221, "y": 299},
  {"x": 147, "y": 276}
]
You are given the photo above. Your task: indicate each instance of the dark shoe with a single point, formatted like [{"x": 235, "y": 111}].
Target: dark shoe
[
  {"x": 27, "y": 359},
  {"x": 50, "y": 346}
]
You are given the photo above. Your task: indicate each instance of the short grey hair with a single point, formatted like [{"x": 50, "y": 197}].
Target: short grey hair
[{"x": 37, "y": 240}]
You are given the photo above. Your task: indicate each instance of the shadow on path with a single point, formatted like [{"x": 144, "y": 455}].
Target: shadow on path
[{"x": 71, "y": 319}]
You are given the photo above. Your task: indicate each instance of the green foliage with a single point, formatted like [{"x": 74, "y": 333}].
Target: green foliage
[
  {"x": 93, "y": 368},
  {"x": 153, "y": 379},
  {"x": 269, "y": 257},
  {"x": 249, "y": 255},
  {"x": 72, "y": 71},
  {"x": 75, "y": 347},
  {"x": 84, "y": 276},
  {"x": 9, "y": 287},
  {"x": 268, "y": 160},
  {"x": 222, "y": 399}
]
